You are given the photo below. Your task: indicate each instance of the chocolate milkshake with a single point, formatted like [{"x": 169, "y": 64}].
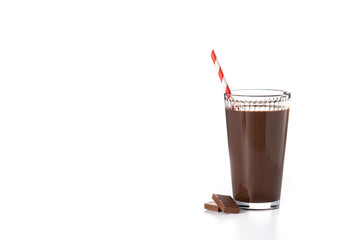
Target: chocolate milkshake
[{"x": 257, "y": 138}]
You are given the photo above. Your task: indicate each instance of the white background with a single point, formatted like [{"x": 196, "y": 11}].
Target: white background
[{"x": 112, "y": 123}]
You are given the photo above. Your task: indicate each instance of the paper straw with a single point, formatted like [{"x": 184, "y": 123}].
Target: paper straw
[{"x": 220, "y": 72}]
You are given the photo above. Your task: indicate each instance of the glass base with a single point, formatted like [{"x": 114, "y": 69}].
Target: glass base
[{"x": 259, "y": 206}]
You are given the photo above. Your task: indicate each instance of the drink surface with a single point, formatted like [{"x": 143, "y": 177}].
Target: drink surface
[{"x": 257, "y": 142}]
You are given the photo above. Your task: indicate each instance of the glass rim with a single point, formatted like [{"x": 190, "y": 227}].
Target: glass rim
[{"x": 275, "y": 93}]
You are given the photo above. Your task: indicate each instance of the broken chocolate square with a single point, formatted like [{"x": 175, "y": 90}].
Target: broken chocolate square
[
  {"x": 212, "y": 206},
  {"x": 226, "y": 203}
]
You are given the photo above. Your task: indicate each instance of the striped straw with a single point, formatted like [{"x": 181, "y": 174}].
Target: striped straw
[{"x": 220, "y": 72}]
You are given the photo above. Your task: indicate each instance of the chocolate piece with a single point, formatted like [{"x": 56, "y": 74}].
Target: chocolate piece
[
  {"x": 212, "y": 206},
  {"x": 226, "y": 203}
]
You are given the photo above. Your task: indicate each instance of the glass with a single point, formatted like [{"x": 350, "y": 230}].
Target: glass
[{"x": 257, "y": 121}]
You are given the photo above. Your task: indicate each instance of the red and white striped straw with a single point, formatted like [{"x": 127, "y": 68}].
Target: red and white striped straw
[{"x": 220, "y": 72}]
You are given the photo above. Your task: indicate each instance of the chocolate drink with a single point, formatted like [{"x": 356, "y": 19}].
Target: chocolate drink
[{"x": 257, "y": 142}]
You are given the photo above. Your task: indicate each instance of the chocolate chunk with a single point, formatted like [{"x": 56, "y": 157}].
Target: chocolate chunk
[
  {"x": 242, "y": 194},
  {"x": 226, "y": 203},
  {"x": 212, "y": 206}
]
